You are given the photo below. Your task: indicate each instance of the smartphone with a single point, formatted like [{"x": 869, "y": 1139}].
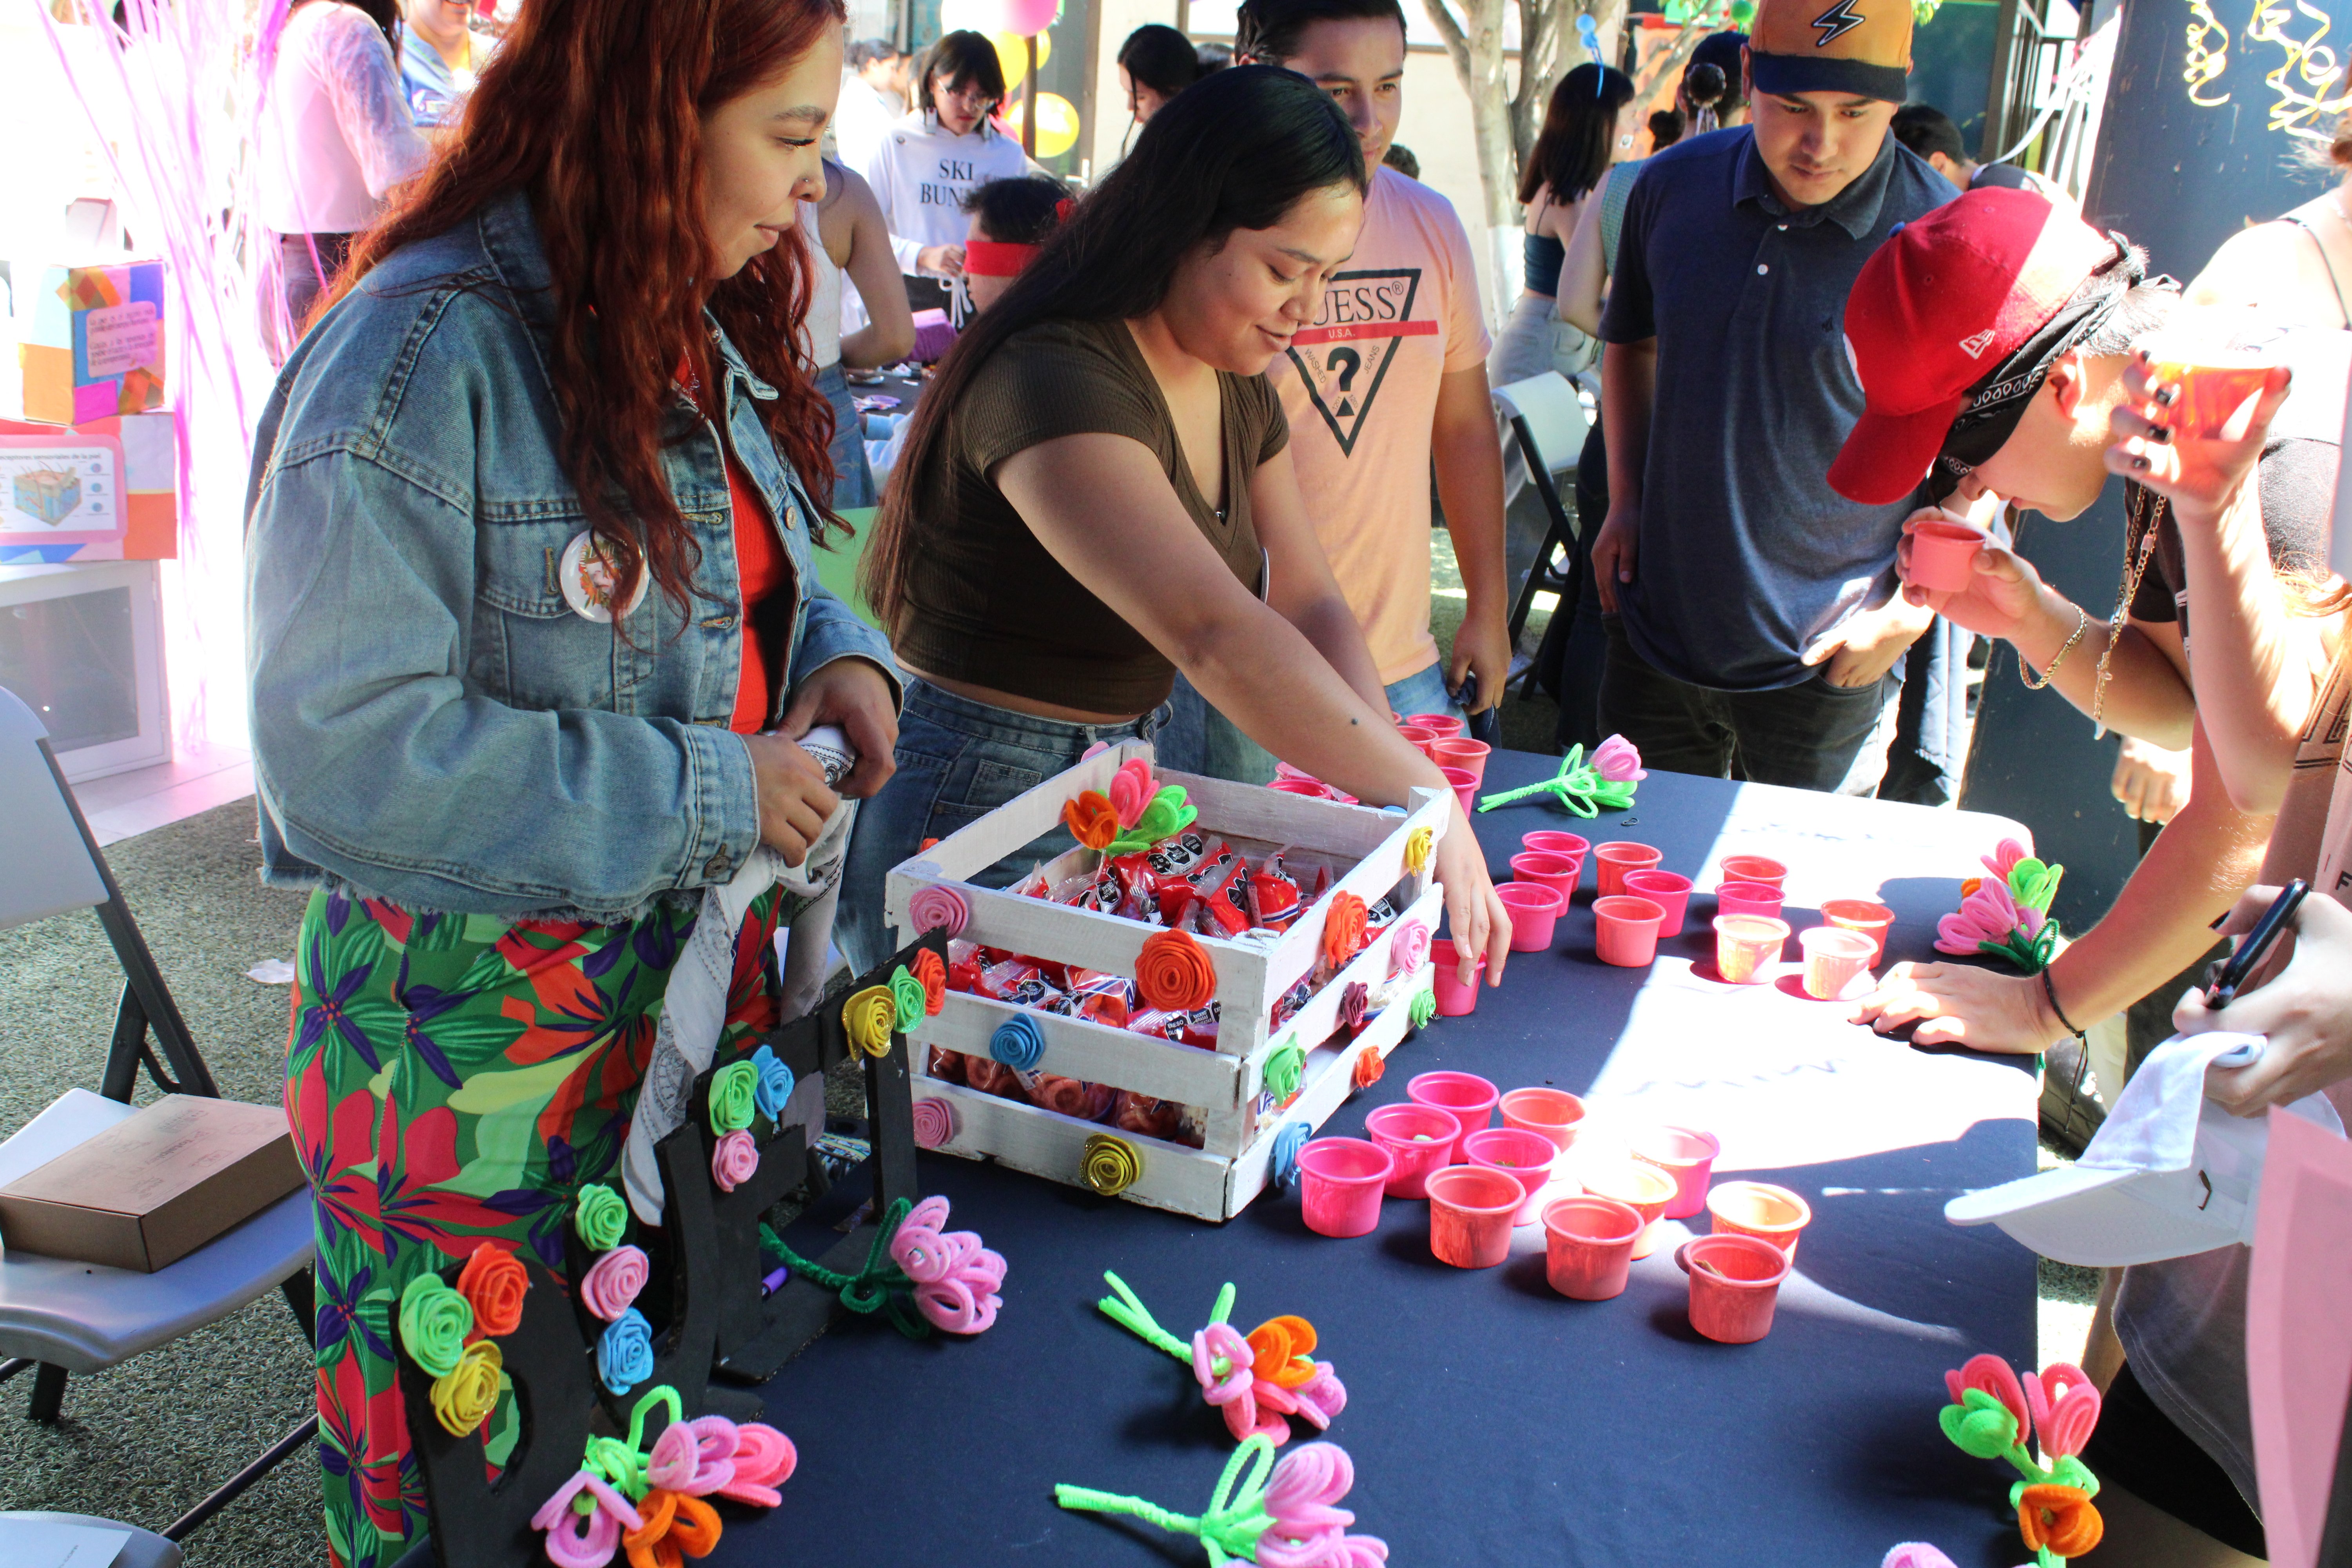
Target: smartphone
[{"x": 2224, "y": 977}]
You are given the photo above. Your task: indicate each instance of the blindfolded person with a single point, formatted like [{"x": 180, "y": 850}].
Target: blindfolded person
[{"x": 1098, "y": 491}]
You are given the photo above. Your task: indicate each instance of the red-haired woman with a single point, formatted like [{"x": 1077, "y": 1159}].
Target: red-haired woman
[{"x": 533, "y": 631}]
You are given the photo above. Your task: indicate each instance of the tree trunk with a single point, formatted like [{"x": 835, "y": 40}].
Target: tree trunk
[
  {"x": 1475, "y": 42},
  {"x": 1549, "y": 50}
]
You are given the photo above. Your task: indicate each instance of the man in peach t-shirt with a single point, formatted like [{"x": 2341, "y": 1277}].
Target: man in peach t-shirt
[{"x": 1389, "y": 381}]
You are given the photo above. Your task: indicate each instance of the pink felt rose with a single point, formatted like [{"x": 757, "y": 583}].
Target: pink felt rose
[
  {"x": 613, "y": 1281},
  {"x": 1408, "y": 948},
  {"x": 734, "y": 1162},
  {"x": 2065, "y": 1406},
  {"x": 1616, "y": 760},
  {"x": 1993, "y": 1375}
]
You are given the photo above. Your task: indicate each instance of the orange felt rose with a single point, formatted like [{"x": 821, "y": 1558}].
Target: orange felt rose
[
  {"x": 493, "y": 1284},
  {"x": 1174, "y": 974},
  {"x": 1090, "y": 819},
  {"x": 1368, "y": 1069},
  {"x": 2059, "y": 1518},
  {"x": 1283, "y": 1347},
  {"x": 933, "y": 974},
  {"x": 1343, "y": 929}
]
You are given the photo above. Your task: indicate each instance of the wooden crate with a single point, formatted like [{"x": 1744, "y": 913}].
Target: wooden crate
[{"x": 1219, "y": 1179}]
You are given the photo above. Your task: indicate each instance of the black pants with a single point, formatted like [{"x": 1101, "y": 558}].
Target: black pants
[
  {"x": 2137, "y": 1445},
  {"x": 1812, "y": 735}
]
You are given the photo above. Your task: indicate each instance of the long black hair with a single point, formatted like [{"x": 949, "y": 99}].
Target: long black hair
[
  {"x": 1572, "y": 151},
  {"x": 1159, "y": 57},
  {"x": 1233, "y": 153}
]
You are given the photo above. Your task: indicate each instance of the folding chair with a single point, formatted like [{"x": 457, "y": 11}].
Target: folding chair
[
  {"x": 1549, "y": 419},
  {"x": 64, "y": 1317}
]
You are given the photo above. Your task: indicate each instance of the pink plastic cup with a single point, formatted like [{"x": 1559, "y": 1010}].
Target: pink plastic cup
[
  {"x": 1535, "y": 908},
  {"x": 1645, "y": 1189},
  {"x": 1735, "y": 1281},
  {"x": 1943, "y": 556},
  {"x": 1755, "y": 869},
  {"x": 1465, "y": 1096},
  {"x": 1310, "y": 788},
  {"x": 1747, "y": 898},
  {"x": 1767, "y": 1213},
  {"x": 1670, "y": 891},
  {"x": 1525, "y": 1157},
  {"x": 1454, "y": 998},
  {"x": 1339, "y": 1184},
  {"x": 1440, "y": 724},
  {"x": 1746, "y": 946},
  {"x": 1455, "y": 751},
  {"x": 1465, "y": 783},
  {"x": 1420, "y": 735},
  {"x": 1860, "y": 914},
  {"x": 1557, "y": 872},
  {"x": 1284, "y": 771},
  {"x": 1686, "y": 1154},
  {"x": 1555, "y": 1113},
  {"x": 1419, "y": 1139},
  {"x": 1625, "y": 931},
  {"x": 1834, "y": 956},
  {"x": 1551, "y": 841},
  {"x": 1589, "y": 1246},
  {"x": 1470, "y": 1212},
  {"x": 1611, "y": 861}
]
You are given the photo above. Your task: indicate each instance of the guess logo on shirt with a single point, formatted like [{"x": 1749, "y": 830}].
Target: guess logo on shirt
[{"x": 1344, "y": 356}]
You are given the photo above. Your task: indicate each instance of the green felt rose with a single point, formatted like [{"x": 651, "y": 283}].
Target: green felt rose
[
  {"x": 734, "y": 1096},
  {"x": 600, "y": 1218},
  {"x": 433, "y": 1323},
  {"x": 906, "y": 991},
  {"x": 1423, "y": 1008}
]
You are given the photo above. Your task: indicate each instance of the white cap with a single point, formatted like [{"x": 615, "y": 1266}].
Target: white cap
[{"x": 2170, "y": 1173}]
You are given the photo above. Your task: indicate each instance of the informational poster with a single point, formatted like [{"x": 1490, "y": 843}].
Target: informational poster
[{"x": 58, "y": 490}]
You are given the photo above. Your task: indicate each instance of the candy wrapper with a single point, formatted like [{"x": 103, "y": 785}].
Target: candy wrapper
[
  {"x": 1073, "y": 1097},
  {"x": 945, "y": 1066},
  {"x": 990, "y": 1076}
]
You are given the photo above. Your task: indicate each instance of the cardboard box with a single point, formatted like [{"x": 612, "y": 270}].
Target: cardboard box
[
  {"x": 149, "y": 1190},
  {"x": 105, "y": 489},
  {"x": 89, "y": 340}
]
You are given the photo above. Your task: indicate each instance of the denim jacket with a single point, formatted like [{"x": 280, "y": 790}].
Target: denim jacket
[{"x": 432, "y": 723}]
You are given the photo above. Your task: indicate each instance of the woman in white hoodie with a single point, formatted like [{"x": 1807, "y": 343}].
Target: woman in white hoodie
[{"x": 930, "y": 161}]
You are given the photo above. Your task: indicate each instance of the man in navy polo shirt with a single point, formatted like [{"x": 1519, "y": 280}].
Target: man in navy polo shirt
[{"x": 1754, "y": 629}]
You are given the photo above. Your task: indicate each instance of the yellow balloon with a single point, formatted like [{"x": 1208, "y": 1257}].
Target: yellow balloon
[
  {"x": 1057, "y": 124},
  {"x": 1012, "y": 55}
]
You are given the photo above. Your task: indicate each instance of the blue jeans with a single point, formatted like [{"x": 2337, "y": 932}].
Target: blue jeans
[
  {"x": 853, "y": 478},
  {"x": 1200, "y": 740},
  {"x": 957, "y": 760}
]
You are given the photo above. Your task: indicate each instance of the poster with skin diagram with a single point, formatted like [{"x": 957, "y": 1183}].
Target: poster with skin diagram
[{"x": 60, "y": 496}]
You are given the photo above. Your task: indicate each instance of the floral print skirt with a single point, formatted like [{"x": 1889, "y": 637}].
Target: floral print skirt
[{"x": 452, "y": 1080}]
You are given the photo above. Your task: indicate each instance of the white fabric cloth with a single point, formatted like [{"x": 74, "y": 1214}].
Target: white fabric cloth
[
  {"x": 335, "y": 132},
  {"x": 863, "y": 118},
  {"x": 694, "y": 1005},
  {"x": 821, "y": 334},
  {"x": 921, "y": 172}
]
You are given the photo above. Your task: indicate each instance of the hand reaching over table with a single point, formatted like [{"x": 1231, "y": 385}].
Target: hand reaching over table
[{"x": 1958, "y": 1004}]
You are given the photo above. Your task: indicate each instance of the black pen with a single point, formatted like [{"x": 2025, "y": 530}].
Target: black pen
[{"x": 2224, "y": 977}]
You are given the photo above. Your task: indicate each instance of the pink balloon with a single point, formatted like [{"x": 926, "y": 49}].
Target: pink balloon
[{"x": 1027, "y": 17}]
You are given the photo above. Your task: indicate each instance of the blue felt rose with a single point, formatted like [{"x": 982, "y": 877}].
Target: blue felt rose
[
  {"x": 624, "y": 1356},
  {"x": 775, "y": 1085}
]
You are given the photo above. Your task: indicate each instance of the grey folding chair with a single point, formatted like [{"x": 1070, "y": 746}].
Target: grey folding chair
[
  {"x": 60, "y": 1317},
  {"x": 1549, "y": 421}
]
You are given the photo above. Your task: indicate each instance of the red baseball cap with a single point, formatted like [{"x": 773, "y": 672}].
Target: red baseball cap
[{"x": 1939, "y": 311}]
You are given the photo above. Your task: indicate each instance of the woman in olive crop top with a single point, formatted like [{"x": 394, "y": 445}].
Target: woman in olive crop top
[{"x": 1097, "y": 492}]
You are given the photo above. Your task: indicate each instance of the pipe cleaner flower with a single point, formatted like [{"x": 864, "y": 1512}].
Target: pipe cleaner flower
[
  {"x": 1580, "y": 786},
  {"x": 1254, "y": 1380},
  {"x": 933, "y": 974},
  {"x": 675, "y": 1527},
  {"x": 494, "y": 1285},
  {"x": 696, "y": 1457},
  {"x": 624, "y": 1352},
  {"x": 961, "y": 1295},
  {"x": 764, "y": 1461},
  {"x": 734, "y": 1160},
  {"x": 601, "y": 1216},
  {"x": 1281, "y": 1514},
  {"x": 2065, "y": 1406},
  {"x": 435, "y": 1323},
  {"x": 586, "y": 1538},
  {"x": 1993, "y": 1415},
  {"x": 1617, "y": 760},
  {"x": 734, "y": 1095},
  {"x": 1991, "y": 921},
  {"x": 648, "y": 1501},
  {"x": 2058, "y": 1520},
  {"x": 1167, "y": 815},
  {"x": 1091, "y": 818},
  {"x": 613, "y": 1281},
  {"x": 1131, "y": 791},
  {"x": 775, "y": 1082}
]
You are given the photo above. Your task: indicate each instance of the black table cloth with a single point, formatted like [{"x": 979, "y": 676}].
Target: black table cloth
[{"x": 1491, "y": 1421}]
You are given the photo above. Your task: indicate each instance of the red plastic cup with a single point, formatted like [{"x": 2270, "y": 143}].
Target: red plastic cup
[
  {"x": 1834, "y": 956},
  {"x": 1534, "y": 909},
  {"x": 1747, "y": 898},
  {"x": 1309, "y": 787},
  {"x": 1943, "y": 556},
  {"x": 1767, "y": 1213},
  {"x": 1339, "y": 1184},
  {"x": 1860, "y": 914},
  {"x": 1626, "y": 929},
  {"x": 1525, "y": 1157},
  {"x": 1454, "y": 998},
  {"x": 1746, "y": 946},
  {"x": 1465, "y": 783},
  {"x": 1686, "y": 1154},
  {"x": 1420, "y": 735},
  {"x": 1755, "y": 869},
  {"x": 1470, "y": 1212},
  {"x": 1455, "y": 751},
  {"x": 1589, "y": 1246},
  {"x": 1735, "y": 1281},
  {"x": 1670, "y": 891},
  {"x": 1611, "y": 861},
  {"x": 1553, "y": 1112},
  {"x": 1645, "y": 1189},
  {"x": 2214, "y": 384},
  {"x": 1551, "y": 841},
  {"x": 1465, "y": 1096},
  {"x": 1442, "y": 724},
  {"x": 1557, "y": 872},
  {"x": 1419, "y": 1139}
]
